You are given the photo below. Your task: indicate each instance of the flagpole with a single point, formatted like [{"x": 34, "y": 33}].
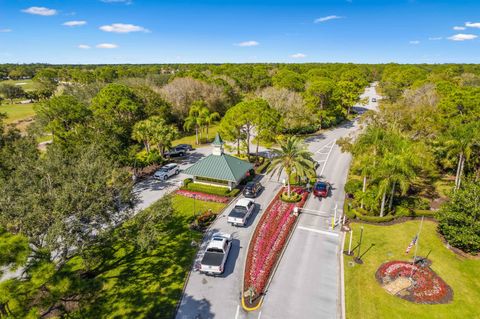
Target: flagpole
[{"x": 416, "y": 246}]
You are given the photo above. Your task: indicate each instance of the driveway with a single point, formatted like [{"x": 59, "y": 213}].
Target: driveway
[
  {"x": 306, "y": 284},
  {"x": 150, "y": 190}
]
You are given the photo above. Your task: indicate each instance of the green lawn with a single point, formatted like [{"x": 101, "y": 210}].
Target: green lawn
[
  {"x": 366, "y": 299},
  {"x": 190, "y": 139},
  {"x": 29, "y": 85},
  {"x": 138, "y": 284},
  {"x": 17, "y": 112}
]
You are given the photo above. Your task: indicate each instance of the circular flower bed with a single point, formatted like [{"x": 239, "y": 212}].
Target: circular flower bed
[
  {"x": 413, "y": 283},
  {"x": 293, "y": 198}
]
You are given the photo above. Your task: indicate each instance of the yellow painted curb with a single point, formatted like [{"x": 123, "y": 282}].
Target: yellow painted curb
[{"x": 254, "y": 308}]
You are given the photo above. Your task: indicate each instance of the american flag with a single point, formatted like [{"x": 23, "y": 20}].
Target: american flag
[{"x": 414, "y": 241}]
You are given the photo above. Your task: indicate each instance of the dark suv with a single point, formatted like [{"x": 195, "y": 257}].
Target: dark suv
[
  {"x": 186, "y": 147},
  {"x": 176, "y": 152},
  {"x": 252, "y": 189}
]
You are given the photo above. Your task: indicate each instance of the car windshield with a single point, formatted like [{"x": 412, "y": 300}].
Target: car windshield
[
  {"x": 250, "y": 186},
  {"x": 163, "y": 169},
  {"x": 320, "y": 186}
]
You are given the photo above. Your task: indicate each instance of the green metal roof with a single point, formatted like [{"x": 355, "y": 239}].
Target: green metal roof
[
  {"x": 218, "y": 140},
  {"x": 223, "y": 167}
]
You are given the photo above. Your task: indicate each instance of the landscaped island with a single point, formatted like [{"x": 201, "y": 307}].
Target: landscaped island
[{"x": 266, "y": 246}]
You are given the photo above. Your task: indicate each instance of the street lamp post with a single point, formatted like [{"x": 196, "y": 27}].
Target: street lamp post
[{"x": 358, "y": 259}]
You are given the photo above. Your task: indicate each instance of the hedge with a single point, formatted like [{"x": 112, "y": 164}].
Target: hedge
[
  {"x": 373, "y": 219},
  {"x": 261, "y": 168},
  {"x": 209, "y": 189}
]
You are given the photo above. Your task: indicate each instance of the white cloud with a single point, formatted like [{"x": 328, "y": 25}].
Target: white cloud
[
  {"x": 83, "y": 46},
  {"x": 42, "y": 11},
  {"x": 123, "y": 28},
  {"x": 118, "y": 1},
  {"x": 327, "y": 18},
  {"x": 473, "y": 24},
  {"x": 107, "y": 46},
  {"x": 462, "y": 37},
  {"x": 414, "y": 42},
  {"x": 247, "y": 44},
  {"x": 298, "y": 56},
  {"x": 435, "y": 38},
  {"x": 5, "y": 30},
  {"x": 458, "y": 28},
  {"x": 74, "y": 23}
]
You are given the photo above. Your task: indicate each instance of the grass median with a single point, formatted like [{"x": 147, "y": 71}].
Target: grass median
[{"x": 366, "y": 299}]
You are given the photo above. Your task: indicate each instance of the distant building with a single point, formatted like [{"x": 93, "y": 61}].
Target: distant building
[{"x": 218, "y": 168}]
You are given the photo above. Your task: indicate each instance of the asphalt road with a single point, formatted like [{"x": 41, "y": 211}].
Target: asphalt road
[{"x": 306, "y": 284}]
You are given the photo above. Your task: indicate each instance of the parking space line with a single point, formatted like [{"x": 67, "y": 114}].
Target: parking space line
[
  {"x": 324, "y": 232},
  {"x": 259, "y": 314}
]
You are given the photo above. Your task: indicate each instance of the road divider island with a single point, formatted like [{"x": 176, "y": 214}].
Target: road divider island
[{"x": 266, "y": 246}]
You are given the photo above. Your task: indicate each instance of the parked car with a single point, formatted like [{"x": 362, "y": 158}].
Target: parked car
[
  {"x": 176, "y": 152},
  {"x": 374, "y": 99},
  {"x": 252, "y": 189},
  {"x": 321, "y": 189},
  {"x": 216, "y": 254},
  {"x": 241, "y": 212},
  {"x": 167, "y": 171},
  {"x": 186, "y": 147}
]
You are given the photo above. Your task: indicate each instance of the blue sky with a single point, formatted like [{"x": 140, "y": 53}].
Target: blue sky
[{"x": 178, "y": 31}]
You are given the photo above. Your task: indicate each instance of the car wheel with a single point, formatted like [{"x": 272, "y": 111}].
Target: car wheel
[
  {"x": 165, "y": 177},
  {"x": 182, "y": 154},
  {"x": 177, "y": 172}
]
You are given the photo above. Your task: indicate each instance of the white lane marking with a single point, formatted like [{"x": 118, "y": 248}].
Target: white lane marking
[
  {"x": 318, "y": 231},
  {"x": 328, "y": 156},
  {"x": 318, "y": 151},
  {"x": 259, "y": 314},
  {"x": 238, "y": 311}
]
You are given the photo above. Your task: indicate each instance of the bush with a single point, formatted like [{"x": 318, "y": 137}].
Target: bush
[
  {"x": 373, "y": 219},
  {"x": 401, "y": 211},
  {"x": 204, "y": 220},
  {"x": 425, "y": 213},
  {"x": 187, "y": 181},
  {"x": 459, "y": 218},
  {"x": 348, "y": 210},
  {"x": 294, "y": 197},
  {"x": 209, "y": 189},
  {"x": 352, "y": 186},
  {"x": 143, "y": 159},
  {"x": 262, "y": 167}
]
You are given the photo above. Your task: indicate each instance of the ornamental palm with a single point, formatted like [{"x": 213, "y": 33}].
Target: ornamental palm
[
  {"x": 292, "y": 157},
  {"x": 209, "y": 118},
  {"x": 195, "y": 118}
]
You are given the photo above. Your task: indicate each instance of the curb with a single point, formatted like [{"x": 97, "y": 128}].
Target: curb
[{"x": 342, "y": 313}]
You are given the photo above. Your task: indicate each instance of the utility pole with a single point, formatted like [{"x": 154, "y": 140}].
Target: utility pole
[{"x": 416, "y": 247}]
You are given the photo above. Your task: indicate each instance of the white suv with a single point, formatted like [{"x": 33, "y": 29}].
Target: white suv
[{"x": 166, "y": 171}]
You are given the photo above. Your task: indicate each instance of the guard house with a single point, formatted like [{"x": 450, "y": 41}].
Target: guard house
[{"x": 218, "y": 168}]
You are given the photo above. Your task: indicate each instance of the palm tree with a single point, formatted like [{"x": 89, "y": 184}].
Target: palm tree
[
  {"x": 209, "y": 118},
  {"x": 195, "y": 118},
  {"x": 142, "y": 133},
  {"x": 292, "y": 157},
  {"x": 459, "y": 141}
]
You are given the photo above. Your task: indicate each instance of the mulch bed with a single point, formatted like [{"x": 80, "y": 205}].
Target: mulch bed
[{"x": 425, "y": 287}]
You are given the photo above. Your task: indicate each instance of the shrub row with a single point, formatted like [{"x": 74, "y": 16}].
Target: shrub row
[
  {"x": 209, "y": 189},
  {"x": 400, "y": 211},
  {"x": 262, "y": 167}
]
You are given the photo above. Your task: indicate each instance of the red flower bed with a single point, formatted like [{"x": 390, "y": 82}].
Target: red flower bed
[
  {"x": 203, "y": 196},
  {"x": 427, "y": 287},
  {"x": 268, "y": 241}
]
